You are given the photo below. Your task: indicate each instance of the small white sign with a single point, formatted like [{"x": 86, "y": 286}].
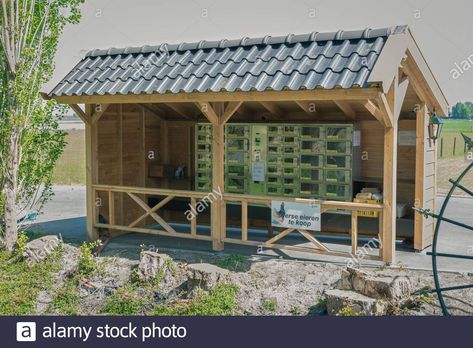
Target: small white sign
[
  {"x": 299, "y": 216},
  {"x": 407, "y": 138},
  {"x": 258, "y": 171}
]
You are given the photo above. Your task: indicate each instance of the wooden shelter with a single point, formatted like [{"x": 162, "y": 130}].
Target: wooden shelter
[{"x": 142, "y": 106}]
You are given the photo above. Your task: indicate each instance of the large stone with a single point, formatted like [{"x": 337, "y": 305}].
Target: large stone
[
  {"x": 39, "y": 249},
  {"x": 205, "y": 276},
  {"x": 153, "y": 265},
  {"x": 384, "y": 286},
  {"x": 347, "y": 302}
]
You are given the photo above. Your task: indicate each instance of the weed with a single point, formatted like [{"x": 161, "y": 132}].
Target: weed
[
  {"x": 66, "y": 300},
  {"x": 349, "y": 311},
  {"x": 269, "y": 305},
  {"x": 126, "y": 301},
  {"x": 219, "y": 301},
  {"x": 21, "y": 283},
  {"x": 233, "y": 262},
  {"x": 295, "y": 311},
  {"x": 87, "y": 264}
]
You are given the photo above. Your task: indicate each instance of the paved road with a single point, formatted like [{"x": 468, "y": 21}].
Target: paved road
[{"x": 65, "y": 215}]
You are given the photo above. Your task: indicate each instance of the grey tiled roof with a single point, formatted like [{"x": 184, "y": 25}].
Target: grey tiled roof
[{"x": 316, "y": 60}]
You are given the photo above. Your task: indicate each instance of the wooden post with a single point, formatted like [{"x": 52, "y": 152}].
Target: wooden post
[
  {"x": 91, "y": 177},
  {"x": 218, "y": 182},
  {"x": 354, "y": 231},
  {"x": 454, "y": 145},
  {"x": 419, "y": 178},
  {"x": 218, "y": 115},
  {"x": 389, "y": 193}
]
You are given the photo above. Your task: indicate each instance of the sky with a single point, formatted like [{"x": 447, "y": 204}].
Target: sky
[{"x": 442, "y": 29}]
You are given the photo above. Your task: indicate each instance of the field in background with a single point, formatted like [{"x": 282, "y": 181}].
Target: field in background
[
  {"x": 451, "y": 143},
  {"x": 70, "y": 168}
]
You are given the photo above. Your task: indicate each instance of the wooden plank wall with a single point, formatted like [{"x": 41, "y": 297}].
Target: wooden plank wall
[
  {"x": 129, "y": 140},
  {"x": 372, "y": 158}
]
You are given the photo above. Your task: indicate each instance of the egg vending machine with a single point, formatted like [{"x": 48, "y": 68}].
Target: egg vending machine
[{"x": 258, "y": 160}]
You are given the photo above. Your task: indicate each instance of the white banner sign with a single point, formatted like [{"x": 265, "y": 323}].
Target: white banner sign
[{"x": 299, "y": 216}]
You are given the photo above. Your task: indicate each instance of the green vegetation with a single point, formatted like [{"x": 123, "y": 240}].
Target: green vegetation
[
  {"x": 462, "y": 110},
  {"x": 70, "y": 168},
  {"x": 234, "y": 262},
  {"x": 66, "y": 301},
  {"x": 87, "y": 264},
  {"x": 269, "y": 305},
  {"x": 126, "y": 301},
  {"x": 20, "y": 284},
  {"x": 451, "y": 134},
  {"x": 219, "y": 301}
]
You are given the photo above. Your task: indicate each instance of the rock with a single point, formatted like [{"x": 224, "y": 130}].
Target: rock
[
  {"x": 38, "y": 249},
  {"x": 70, "y": 260},
  {"x": 205, "y": 276},
  {"x": 153, "y": 265},
  {"x": 347, "y": 302},
  {"x": 384, "y": 286}
]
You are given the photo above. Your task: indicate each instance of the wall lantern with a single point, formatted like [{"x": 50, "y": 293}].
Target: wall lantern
[{"x": 435, "y": 126}]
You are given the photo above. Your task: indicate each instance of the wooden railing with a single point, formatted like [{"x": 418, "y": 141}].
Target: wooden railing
[
  {"x": 317, "y": 246},
  {"x": 137, "y": 194}
]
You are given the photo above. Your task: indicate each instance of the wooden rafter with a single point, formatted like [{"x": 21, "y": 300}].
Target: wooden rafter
[
  {"x": 230, "y": 109},
  {"x": 156, "y": 112},
  {"x": 273, "y": 109},
  {"x": 208, "y": 111},
  {"x": 79, "y": 112},
  {"x": 180, "y": 109},
  {"x": 376, "y": 112},
  {"x": 100, "y": 109},
  {"x": 346, "y": 109},
  {"x": 307, "y": 106}
]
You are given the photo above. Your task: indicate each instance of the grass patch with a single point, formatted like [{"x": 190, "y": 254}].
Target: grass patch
[
  {"x": 234, "y": 262},
  {"x": 126, "y": 301},
  {"x": 270, "y": 305},
  {"x": 20, "y": 284},
  {"x": 220, "y": 301},
  {"x": 66, "y": 300},
  {"x": 70, "y": 168}
]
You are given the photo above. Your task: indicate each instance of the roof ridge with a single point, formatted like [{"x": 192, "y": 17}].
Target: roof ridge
[{"x": 367, "y": 33}]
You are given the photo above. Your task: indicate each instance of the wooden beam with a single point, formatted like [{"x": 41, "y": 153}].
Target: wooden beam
[
  {"x": 244, "y": 220},
  {"x": 79, "y": 112},
  {"x": 416, "y": 83},
  {"x": 99, "y": 110},
  {"x": 386, "y": 110},
  {"x": 180, "y": 109},
  {"x": 90, "y": 174},
  {"x": 230, "y": 109},
  {"x": 309, "y": 95},
  {"x": 208, "y": 111},
  {"x": 346, "y": 108},
  {"x": 154, "y": 112},
  {"x": 354, "y": 232},
  {"x": 376, "y": 112},
  {"x": 422, "y": 119},
  {"x": 307, "y": 106},
  {"x": 273, "y": 109},
  {"x": 314, "y": 240}
]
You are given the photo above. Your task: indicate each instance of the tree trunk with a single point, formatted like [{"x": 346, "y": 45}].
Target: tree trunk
[{"x": 11, "y": 192}]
